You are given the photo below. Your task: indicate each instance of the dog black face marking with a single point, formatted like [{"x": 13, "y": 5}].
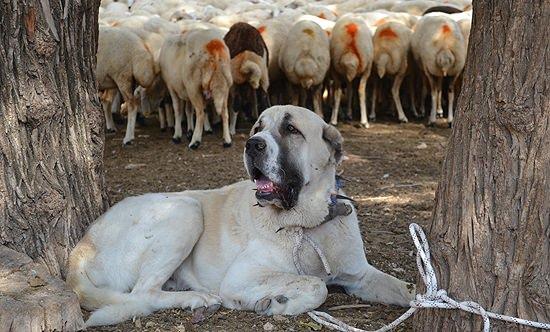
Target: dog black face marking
[
  {"x": 291, "y": 175},
  {"x": 288, "y": 128}
]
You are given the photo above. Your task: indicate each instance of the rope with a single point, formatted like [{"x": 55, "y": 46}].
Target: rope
[
  {"x": 433, "y": 298},
  {"x": 299, "y": 240}
]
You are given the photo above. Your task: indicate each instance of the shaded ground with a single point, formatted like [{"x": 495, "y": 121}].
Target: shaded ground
[{"x": 392, "y": 170}]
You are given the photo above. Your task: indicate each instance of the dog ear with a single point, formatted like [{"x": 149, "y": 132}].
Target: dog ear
[
  {"x": 256, "y": 127},
  {"x": 335, "y": 140}
]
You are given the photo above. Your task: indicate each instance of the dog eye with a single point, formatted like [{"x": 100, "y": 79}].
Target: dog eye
[{"x": 291, "y": 129}]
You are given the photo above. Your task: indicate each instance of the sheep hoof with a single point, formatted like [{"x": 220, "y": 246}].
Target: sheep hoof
[
  {"x": 111, "y": 130},
  {"x": 450, "y": 124},
  {"x": 227, "y": 144},
  {"x": 195, "y": 145},
  {"x": 404, "y": 120},
  {"x": 365, "y": 125},
  {"x": 162, "y": 130},
  {"x": 431, "y": 124},
  {"x": 439, "y": 115},
  {"x": 176, "y": 140},
  {"x": 189, "y": 135},
  {"x": 127, "y": 143},
  {"x": 372, "y": 118}
]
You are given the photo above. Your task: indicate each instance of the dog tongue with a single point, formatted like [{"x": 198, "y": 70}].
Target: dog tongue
[{"x": 265, "y": 185}]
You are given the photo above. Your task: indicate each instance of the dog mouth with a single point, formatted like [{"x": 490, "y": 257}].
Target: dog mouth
[{"x": 266, "y": 189}]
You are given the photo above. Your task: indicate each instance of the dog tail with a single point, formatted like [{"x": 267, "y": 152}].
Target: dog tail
[{"x": 133, "y": 306}]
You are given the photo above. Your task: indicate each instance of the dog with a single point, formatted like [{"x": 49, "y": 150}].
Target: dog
[{"x": 238, "y": 246}]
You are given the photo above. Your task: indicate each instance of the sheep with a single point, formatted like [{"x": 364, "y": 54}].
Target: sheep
[
  {"x": 249, "y": 62},
  {"x": 305, "y": 59},
  {"x": 196, "y": 66},
  {"x": 123, "y": 60},
  {"x": 273, "y": 33},
  {"x": 351, "y": 52},
  {"x": 391, "y": 50},
  {"x": 439, "y": 48}
]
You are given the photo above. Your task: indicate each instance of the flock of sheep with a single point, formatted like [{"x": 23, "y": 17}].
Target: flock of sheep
[{"x": 218, "y": 57}]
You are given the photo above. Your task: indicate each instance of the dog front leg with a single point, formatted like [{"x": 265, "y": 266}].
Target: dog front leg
[
  {"x": 374, "y": 285},
  {"x": 272, "y": 293}
]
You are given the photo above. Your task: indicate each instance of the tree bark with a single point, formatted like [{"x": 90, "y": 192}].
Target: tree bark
[
  {"x": 51, "y": 156},
  {"x": 490, "y": 233},
  {"x": 51, "y": 143}
]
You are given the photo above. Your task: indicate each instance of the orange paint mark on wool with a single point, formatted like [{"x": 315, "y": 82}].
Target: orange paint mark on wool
[
  {"x": 388, "y": 33},
  {"x": 261, "y": 29},
  {"x": 445, "y": 29},
  {"x": 215, "y": 46},
  {"x": 308, "y": 32},
  {"x": 351, "y": 30},
  {"x": 380, "y": 22},
  {"x": 322, "y": 15}
]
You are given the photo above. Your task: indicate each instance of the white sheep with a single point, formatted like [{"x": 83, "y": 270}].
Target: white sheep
[
  {"x": 351, "y": 52},
  {"x": 196, "y": 66},
  {"x": 123, "y": 59},
  {"x": 440, "y": 50},
  {"x": 305, "y": 59},
  {"x": 391, "y": 50}
]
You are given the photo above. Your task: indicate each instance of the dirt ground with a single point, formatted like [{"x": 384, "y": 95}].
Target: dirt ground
[{"x": 392, "y": 172}]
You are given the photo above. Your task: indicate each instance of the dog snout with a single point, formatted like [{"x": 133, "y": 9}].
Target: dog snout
[{"x": 255, "y": 146}]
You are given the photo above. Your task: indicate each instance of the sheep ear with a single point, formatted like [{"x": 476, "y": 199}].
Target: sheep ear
[{"x": 335, "y": 140}]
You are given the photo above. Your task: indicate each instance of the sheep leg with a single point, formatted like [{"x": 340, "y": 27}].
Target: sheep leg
[
  {"x": 131, "y": 125},
  {"x": 439, "y": 107},
  {"x": 106, "y": 101},
  {"x": 169, "y": 110},
  {"x": 337, "y": 98},
  {"x": 198, "y": 105},
  {"x": 413, "y": 97},
  {"x": 396, "y": 98},
  {"x": 294, "y": 92},
  {"x": 423, "y": 93},
  {"x": 349, "y": 93},
  {"x": 372, "y": 115},
  {"x": 303, "y": 97},
  {"x": 162, "y": 118},
  {"x": 232, "y": 115},
  {"x": 363, "y": 97},
  {"x": 207, "y": 125},
  {"x": 224, "y": 112},
  {"x": 116, "y": 101},
  {"x": 254, "y": 105},
  {"x": 451, "y": 97},
  {"x": 189, "y": 118},
  {"x": 177, "y": 105},
  {"x": 433, "y": 88},
  {"x": 317, "y": 104}
]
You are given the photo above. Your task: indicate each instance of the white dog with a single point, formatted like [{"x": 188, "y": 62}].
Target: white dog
[{"x": 237, "y": 245}]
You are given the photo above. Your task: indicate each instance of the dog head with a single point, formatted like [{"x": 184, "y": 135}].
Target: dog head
[{"x": 292, "y": 156}]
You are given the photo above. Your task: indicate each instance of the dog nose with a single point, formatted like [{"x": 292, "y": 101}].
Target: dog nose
[{"x": 255, "y": 145}]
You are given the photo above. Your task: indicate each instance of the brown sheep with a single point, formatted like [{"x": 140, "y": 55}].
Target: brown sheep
[{"x": 249, "y": 67}]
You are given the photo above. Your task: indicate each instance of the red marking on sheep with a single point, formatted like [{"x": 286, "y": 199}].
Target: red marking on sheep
[
  {"x": 388, "y": 33},
  {"x": 261, "y": 29},
  {"x": 322, "y": 15},
  {"x": 215, "y": 47},
  {"x": 445, "y": 29},
  {"x": 351, "y": 30}
]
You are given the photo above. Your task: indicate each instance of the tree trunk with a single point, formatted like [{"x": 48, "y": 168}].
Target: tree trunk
[
  {"x": 51, "y": 154},
  {"x": 490, "y": 233}
]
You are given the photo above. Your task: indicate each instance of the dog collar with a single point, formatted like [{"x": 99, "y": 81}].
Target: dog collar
[{"x": 335, "y": 206}]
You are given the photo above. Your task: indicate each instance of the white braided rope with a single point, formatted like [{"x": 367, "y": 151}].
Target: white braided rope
[
  {"x": 300, "y": 236},
  {"x": 433, "y": 298}
]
